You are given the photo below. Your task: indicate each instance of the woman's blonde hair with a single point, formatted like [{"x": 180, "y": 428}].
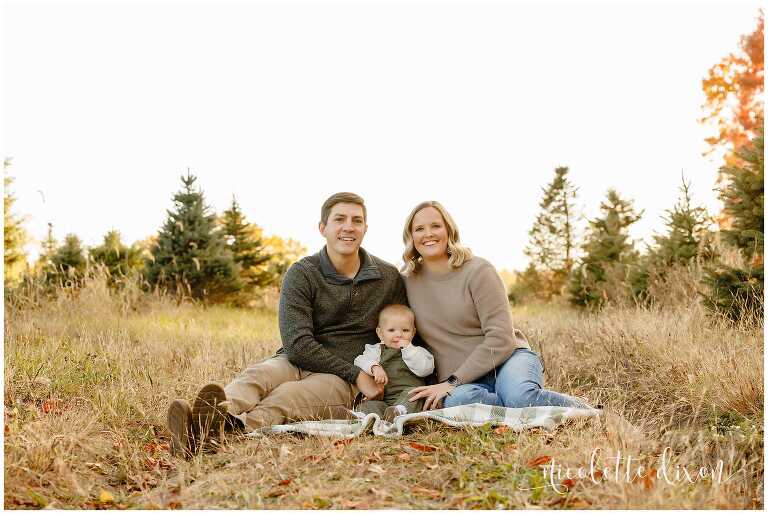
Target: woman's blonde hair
[{"x": 457, "y": 253}]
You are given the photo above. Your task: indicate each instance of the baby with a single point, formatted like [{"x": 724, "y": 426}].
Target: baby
[{"x": 395, "y": 363}]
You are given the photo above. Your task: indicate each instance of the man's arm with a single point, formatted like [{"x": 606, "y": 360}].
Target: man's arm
[{"x": 296, "y": 329}]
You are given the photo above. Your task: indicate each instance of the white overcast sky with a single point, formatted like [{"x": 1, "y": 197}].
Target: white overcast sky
[{"x": 284, "y": 103}]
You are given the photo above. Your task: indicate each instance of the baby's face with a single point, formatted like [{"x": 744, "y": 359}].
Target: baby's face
[{"x": 396, "y": 330}]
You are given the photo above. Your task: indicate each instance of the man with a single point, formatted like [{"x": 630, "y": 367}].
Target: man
[{"x": 329, "y": 306}]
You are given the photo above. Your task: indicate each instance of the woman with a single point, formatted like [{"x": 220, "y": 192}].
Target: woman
[{"x": 462, "y": 314}]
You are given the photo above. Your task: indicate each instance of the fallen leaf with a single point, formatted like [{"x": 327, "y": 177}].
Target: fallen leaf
[
  {"x": 598, "y": 474},
  {"x": 649, "y": 479},
  {"x": 430, "y": 493},
  {"x": 501, "y": 430},
  {"x": 106, "y": 497},
  {"x": 315, "y": 458},
  {"x": 374, "y": 457},
  {"x": 375, "y": 468},
  {"x": 380, "y": 494},
  {"x": 150, "y": 463},
  {"x": 423, "y": 447},
  {"x": 150, "y": 447},
  {"x": 404, "y": 457},
  {"x": 568, "y": 482},
  {"x": 275, "y": 493},
  {"x": 538, "y": 461},
  {"x": 350, "y": 504},
  {"x": 284, "y": 482},
  {"x": 175, "y": 504},
  {"x": 578, "y": 504},
  {"x": 341, "y": 442}
]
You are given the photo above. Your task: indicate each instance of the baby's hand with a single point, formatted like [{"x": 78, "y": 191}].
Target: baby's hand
[{"x": 379, "y": 375}]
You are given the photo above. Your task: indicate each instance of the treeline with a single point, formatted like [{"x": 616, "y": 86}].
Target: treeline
[
  {"x": 196, "y": 254},
  {"x": 609, "y": 267}
]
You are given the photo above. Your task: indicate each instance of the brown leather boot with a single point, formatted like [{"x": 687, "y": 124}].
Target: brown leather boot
[
  {"x": 208, "y": 418},
  {"x": 180, "y": 427}
]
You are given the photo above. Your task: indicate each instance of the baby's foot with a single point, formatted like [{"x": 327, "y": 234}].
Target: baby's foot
[{"x": 390, "y": 413}]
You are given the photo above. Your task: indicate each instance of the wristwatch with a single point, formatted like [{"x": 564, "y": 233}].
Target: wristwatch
[{"x": 452, "y": 380}]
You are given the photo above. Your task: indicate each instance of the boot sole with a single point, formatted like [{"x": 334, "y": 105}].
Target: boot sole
[
  {"x": 208, "y": 417},
  {"x": 179, "y": 425}
]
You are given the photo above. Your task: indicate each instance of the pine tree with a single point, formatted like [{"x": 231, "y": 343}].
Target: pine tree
[
  {"x": 70, "y": 261},
  {"x": 737, "y": 292},
  {"x": 687, "y": 231},
  {"x": 190, "y": 257},
  {"x": 552, "y": 237},
  {"x": 14, "y": 234},
  {"x": 687, "y": 238},
  {"x": 244, "y": 242},
  {"x": 608, "y": 253},
  {"x": 118, "y": 258}
]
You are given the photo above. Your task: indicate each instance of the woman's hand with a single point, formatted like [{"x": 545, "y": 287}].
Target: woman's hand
[{"x": 433, "y": 394}]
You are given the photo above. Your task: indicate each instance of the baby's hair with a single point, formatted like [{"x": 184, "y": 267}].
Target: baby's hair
[{"x": 396, "y": 308}]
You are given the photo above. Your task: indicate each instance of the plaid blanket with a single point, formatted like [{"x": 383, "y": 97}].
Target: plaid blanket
[{"x": 475, "y": 414}]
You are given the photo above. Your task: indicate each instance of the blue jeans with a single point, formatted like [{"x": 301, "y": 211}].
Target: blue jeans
[{"x": 516, "y": 383}]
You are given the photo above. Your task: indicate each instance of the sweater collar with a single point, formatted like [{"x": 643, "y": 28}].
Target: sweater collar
[{"x": 368, "y": 269}]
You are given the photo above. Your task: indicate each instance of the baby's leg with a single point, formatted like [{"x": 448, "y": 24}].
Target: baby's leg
[
  {"x": 373, "y": 407},
  {"x": 410, "y": 407}
]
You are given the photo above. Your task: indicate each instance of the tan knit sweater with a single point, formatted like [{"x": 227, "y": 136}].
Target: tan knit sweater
[{"x": 463, "y": 317}]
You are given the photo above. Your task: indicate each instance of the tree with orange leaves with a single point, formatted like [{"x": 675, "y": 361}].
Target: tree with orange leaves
[{"x": 734, "y": 96}]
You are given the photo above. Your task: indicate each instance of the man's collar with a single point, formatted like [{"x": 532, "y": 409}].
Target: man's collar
[{"x": 368, "y": 269}]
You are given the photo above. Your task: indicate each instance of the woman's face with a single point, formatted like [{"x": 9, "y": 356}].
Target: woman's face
[{"x": 430, "y": 236}]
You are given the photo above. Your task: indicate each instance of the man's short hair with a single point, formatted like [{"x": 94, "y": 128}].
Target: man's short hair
[
  {"x": 332, "y": 200},
  {"x": 396, "y": 308}
]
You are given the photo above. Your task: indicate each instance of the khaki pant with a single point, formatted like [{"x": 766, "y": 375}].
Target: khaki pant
[{"x": 274, "y": 392}]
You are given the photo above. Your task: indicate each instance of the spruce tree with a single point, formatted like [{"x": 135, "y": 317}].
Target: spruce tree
[
  {"x": 70, "y": 261},
  {"x": 117, "y": 258},
  {"x": 687, "y": 238},
  {"x": 15, "y": 236},
  {"x": 244, "y": 242},
  {"x": 608, "y": 252},
  {"x": 190, "y": 258},
  {"x": 552, "y": 237},
  {"x": 737, "y": 292}
]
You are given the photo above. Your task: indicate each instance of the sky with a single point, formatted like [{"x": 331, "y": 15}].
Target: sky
[{"x": 282, "y": 104}]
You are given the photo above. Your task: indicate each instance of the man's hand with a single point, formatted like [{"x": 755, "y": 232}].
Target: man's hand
[
  {"x": 433, "y": 394},
  {"x": 379, "y": 375},
  {"x": 368, "y": 386}
]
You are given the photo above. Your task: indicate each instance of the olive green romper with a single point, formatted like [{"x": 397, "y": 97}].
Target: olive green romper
[{"x": 401, "y": 381}]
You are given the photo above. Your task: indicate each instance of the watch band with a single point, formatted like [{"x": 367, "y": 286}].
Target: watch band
[{"x": 452, "y": 380}]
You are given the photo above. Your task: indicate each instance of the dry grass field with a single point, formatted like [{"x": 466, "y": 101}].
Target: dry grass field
[{"x": 88, "y": 380}]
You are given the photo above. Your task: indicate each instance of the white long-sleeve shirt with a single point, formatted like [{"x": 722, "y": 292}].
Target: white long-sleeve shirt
[{"x": 417, "y": 358}]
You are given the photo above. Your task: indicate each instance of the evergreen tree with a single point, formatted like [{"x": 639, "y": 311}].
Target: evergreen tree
[
  {"x": 737, "y": 292},
  {"x": 70, "y": 261},
  {"x": 687, "y": 230},
  {"x": 687, "y": 238},
  {"x": 528, "y": 284},
  {"x": 14, "y": 234},
  {"x": 190, "y": 257},
  {"x": 608, "y": 253},
  {"x": 244, "y": 241},
  {"x": 118, "y": 258},
  {"x": 552, "y": 237}
]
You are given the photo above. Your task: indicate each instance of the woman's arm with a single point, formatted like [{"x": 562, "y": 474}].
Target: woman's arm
[{"x": 500, "y": 338}]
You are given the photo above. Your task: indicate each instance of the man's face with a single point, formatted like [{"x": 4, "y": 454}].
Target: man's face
[{"x": 345, "y": 229}]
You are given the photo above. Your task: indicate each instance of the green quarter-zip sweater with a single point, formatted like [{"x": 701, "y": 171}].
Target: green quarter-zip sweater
[{"x": 326, "y": 319}]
